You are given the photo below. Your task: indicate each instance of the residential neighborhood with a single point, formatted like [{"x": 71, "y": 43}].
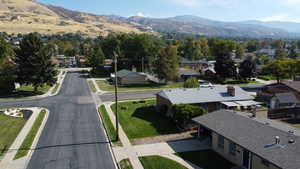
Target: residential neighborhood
[{"x": 149, "y": 84}]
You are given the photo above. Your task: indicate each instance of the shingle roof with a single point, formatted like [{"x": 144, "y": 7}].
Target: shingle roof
[
  {"x": 292, "y": 84},
  {"x": 124, "y": 73},
  {"x": 286, "y": 98},
  {"x": 189, "y": 72},
  {"x": 204, "y": 95},
  {"x": 256, "y": 135}
]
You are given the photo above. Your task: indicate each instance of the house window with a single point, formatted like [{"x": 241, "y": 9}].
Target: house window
[
  {"x": 265, "y": 162},
  {"x": 232, "y": 148},
  {"x": 221, "y": 142}
]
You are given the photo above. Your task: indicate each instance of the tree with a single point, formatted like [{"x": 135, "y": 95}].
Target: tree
[
  {"x": 240, "y": 51},
  {"x": 247, "y": 68},
  {"x": 97, "y": 57},
  {"x": 293, "y": 51},
  {"x": 191, "y": 83},
  {"x": 7, "y": 68},
  {"x": 280, "y": 53},
  {"x": 224, "y": 67},
  {"x": 183, "y": 113},
  {"x": 277, "y": 69},
  {"x": 192, "y": 50},
  {"x": 34, "y": 62},
  {"x": 167, "y": 63}
]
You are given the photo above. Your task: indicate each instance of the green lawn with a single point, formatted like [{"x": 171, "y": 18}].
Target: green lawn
[
  {"x": 105, "y": 86},
  {"x": 206, "y": 159},
  {"x": 9, "y": 130},
  {"x": 141, "y": 120},
  {"x": 125, "y": 164},
  {"x": 92, "y": 86},
  {"x": 26, "y": 145},
  {"x": 266, "y": 77},
  {"x": 110, "y": 129},
  {"x": 158, "y": 162},
  {"x": 27, "y": 91}
]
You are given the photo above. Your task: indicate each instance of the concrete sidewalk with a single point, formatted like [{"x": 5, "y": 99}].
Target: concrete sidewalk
[
  {"x": 133, "y": 157},
  {"x": 8, "y": 161}
]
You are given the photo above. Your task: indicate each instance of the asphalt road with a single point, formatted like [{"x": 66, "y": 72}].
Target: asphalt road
[
  {"x": 73, "y": 137},
  {"x": 109, "y": 97}
]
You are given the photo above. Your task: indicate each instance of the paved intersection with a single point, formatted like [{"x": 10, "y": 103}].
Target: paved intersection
[{"x": 73, "y": 137}]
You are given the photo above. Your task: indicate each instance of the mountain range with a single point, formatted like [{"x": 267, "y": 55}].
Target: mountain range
[
  {"x": 24, "y": 16},
  {"x": 207, "y": 27}
]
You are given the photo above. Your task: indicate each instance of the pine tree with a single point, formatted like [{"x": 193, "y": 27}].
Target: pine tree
[{"x": 34, "y": 62}]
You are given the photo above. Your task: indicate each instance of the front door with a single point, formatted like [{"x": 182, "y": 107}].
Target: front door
[{"x": 246, "y": 159}]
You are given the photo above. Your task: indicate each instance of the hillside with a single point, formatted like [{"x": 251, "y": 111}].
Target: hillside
[{"x": 24, "y": 16}]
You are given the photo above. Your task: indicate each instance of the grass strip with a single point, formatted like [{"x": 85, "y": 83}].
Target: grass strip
[
  {"x": 26, "y": 145},
  {"x": 92, "y": 86},
  {"x": 125, "y": 164},
  {"x": 155, "y": 162},
  {"x": 110, "y": 129}
]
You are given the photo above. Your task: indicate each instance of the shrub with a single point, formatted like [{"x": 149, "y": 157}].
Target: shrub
[
  {"x": 191, "y": 83},
  {"x": 183, "y": 113}
]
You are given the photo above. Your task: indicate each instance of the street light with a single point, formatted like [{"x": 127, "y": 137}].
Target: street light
[{"x": 116, "y": 95}]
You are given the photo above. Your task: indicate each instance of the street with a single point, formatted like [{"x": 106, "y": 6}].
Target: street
[{"x": 73, "y": 137}]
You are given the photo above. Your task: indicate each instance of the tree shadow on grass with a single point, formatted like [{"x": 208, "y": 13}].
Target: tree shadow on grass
[
  {"x": 161, "y": 123},
  {"x": 21, "y": 93}
]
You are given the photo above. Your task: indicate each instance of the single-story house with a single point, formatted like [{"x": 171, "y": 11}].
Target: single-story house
[
  {"x": 126, "y": 77},
  {"x": 185, "y": 74},
  {"x": 284, "y": 100},
  {"x": 211, "y": 98},
  {"x": 283, "y": 87},
  {"x": 251, "y": 142},
  {"x": 209, "y": 72}
]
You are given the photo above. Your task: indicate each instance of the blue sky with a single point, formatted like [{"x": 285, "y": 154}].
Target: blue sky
[{"x": 225, "y": 10}]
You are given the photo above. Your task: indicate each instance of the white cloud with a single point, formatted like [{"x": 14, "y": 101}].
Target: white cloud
[{"x": 140, "y": 14}]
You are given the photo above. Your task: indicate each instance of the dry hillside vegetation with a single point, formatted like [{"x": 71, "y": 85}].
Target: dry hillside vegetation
[{"x": 24, "y": 16}]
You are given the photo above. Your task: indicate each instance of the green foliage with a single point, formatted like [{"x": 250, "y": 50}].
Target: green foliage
[
  {"x": 247, "y": 69},
  {"x": 125, "y": 164},
  {"x": 224, "y": 67},
  {"x": 167, "y": 64},
  {"x": 183, "y": 113},
  {"x": 240, "y": 51},
  {"x": 34, "y": 62},
  {"x": 191, "y": 83},
  {"x": 96, "y": 58},
  {"x": 280, "y": 53},
  {"x": 7, "y": 68}
]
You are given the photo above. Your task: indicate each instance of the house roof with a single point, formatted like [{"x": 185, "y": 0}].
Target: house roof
[
  {"x": 286, "y": 98},
  {"x": 292, "y": 84},
  {"x": 257, "y": 135},
  {"x": 188, "y": 72},
  {"x": 186, "y": 61},
  {"x": 124, "y": 73},
  {"x": 204, "y": 95}
]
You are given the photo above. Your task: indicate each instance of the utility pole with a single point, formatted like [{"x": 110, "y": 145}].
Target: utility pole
[
  {"x": 143, "y": 64},
  {"x": 116, "y": 95}
]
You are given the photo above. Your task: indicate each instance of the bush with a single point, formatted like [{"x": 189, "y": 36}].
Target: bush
[
  {"x": 183, "y": 113},
  {"x": 191, "y": 83}
]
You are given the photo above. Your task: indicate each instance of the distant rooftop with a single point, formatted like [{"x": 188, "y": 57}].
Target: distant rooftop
[
  {"x": 204, "y": 95},
  {"x": 257, "y": 135}
]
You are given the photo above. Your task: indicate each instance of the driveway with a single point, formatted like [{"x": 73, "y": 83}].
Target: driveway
[{"x": 73, "y": 137}]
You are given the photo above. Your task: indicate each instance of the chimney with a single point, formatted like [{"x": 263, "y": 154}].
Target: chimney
[
  {"x": 277, "y": 140},
  {"x": 231, "y": 91}
]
